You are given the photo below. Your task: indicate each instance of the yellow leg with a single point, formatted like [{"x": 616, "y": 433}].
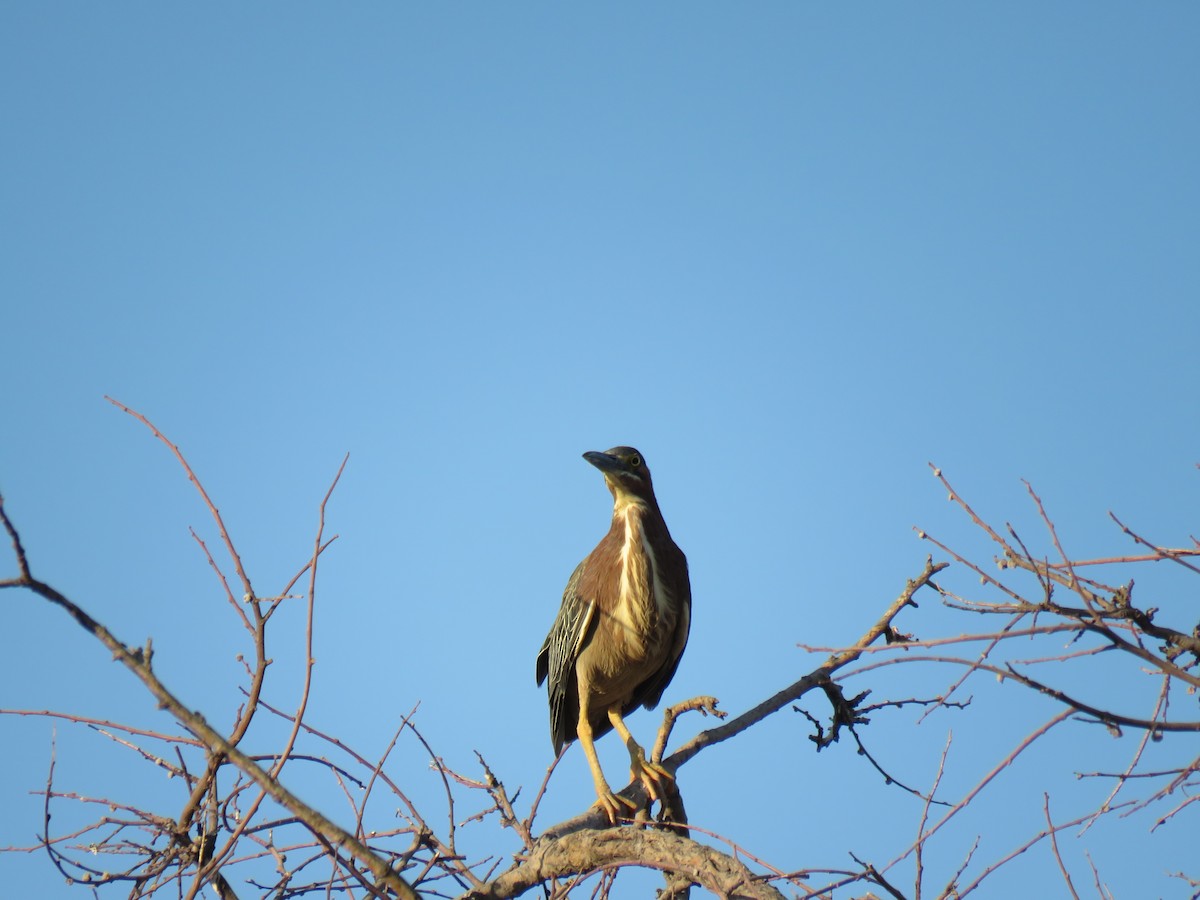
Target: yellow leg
[
  {"x": 651, "y": 775},
  {"x": 614, "y": 807}
]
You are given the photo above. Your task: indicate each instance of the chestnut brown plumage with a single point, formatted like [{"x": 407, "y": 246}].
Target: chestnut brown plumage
[{"x": 621, "y": 629}]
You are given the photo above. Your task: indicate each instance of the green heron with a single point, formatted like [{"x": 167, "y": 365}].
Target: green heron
[{"x": 621, "y": 629}]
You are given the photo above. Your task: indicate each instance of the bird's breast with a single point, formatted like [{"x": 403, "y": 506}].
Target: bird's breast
[{"x": 643, "y": 610}]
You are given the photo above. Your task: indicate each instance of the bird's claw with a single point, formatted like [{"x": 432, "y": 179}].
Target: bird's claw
[
  {"x": 614, "y": 806},
  {"x": 653, "y": 776}
]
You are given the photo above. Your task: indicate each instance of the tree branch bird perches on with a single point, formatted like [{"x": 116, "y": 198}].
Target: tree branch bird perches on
[{"x": 621, "y": 629}]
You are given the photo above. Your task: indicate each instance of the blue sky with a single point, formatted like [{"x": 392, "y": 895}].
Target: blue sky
[{"x": 790, "y": 251}]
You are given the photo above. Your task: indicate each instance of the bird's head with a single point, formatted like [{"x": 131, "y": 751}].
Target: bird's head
[{"x": 625, "y": 473}]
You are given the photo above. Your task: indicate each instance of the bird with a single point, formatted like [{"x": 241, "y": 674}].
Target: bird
[{"x": 621, "y": 629}]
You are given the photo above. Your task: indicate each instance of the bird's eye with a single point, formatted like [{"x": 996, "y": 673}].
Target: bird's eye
[{"x": 635, "y": 461}]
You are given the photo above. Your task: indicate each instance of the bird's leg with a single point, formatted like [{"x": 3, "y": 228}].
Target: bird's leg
[
  {"x": 650, "y": 774},
  {"x": 614, "y": 807}
]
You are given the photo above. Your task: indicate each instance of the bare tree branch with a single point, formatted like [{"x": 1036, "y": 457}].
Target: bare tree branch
[{"x": 593, "y": 851}]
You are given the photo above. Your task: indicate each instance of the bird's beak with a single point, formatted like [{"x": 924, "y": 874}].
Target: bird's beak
[{"x": 603, "y": 461}]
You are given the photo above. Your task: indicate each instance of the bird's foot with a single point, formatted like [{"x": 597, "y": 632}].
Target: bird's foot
[
  {"x": 653, "y": 776},
  {"x": 614, "y": 806}
]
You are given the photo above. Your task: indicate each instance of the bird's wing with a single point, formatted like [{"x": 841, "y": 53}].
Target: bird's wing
[
  {"x": 560, "y": 651},
  {"x": 563, "y": 643}
]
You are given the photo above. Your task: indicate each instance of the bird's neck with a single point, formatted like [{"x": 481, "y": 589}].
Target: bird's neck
[
  {"x": 627, "y": 505},
  {"x": 642, "y": 595}
]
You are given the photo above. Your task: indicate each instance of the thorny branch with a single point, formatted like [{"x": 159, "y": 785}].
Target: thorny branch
[{"x": 185, "y": 851}]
